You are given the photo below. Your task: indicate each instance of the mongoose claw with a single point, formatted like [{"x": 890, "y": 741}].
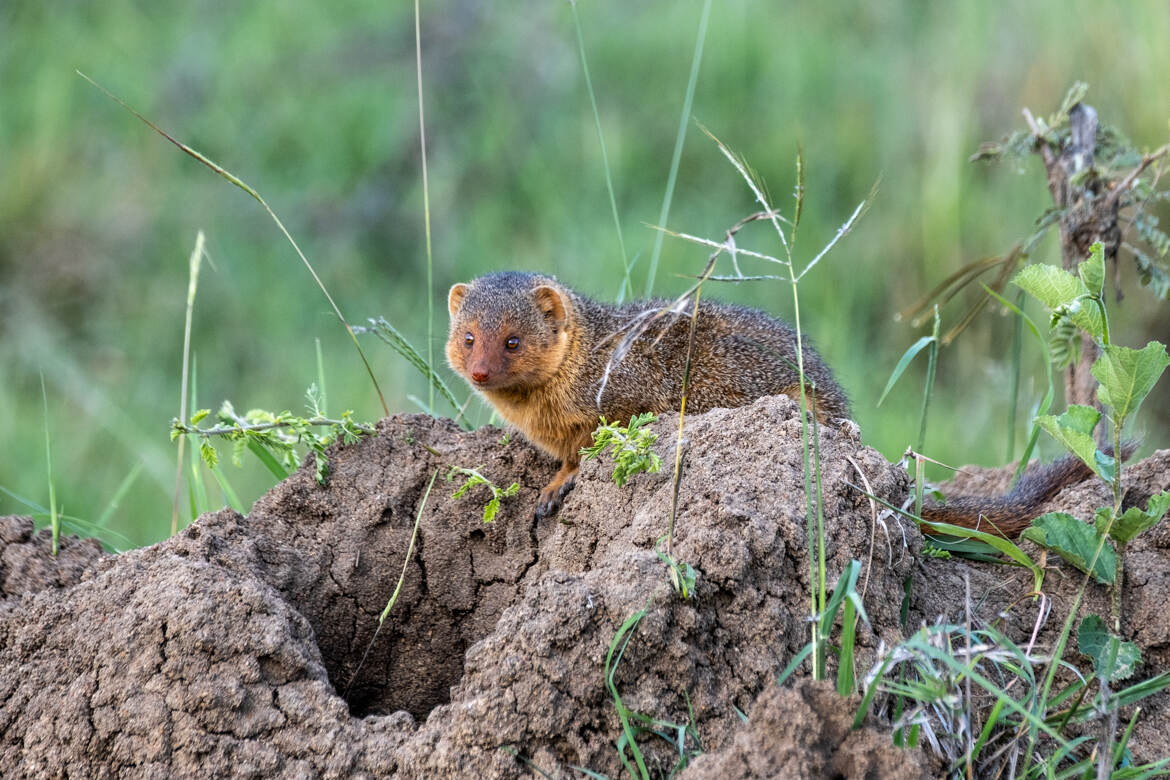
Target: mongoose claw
[{"x": 551, "y": 499}]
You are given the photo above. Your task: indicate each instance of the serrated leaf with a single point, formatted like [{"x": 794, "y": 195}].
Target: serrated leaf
[
  {"x": 1092, "y": 270},
  {"x": 1126, "y": 376},
  {"x": 1074, "y": 429},
  {"x": 1113, "y": 659},
  {"x": 199, "y": 415},
  {"x": 1063, "y": 294},
  {"x": 1135, "y": 521},
  {"x": 208, "y": 453},
  {"x": 1050, "y": 285},
  {"x": 1075, "y": 542}
]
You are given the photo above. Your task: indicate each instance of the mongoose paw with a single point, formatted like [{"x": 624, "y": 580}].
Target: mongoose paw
[{"x": 551, "y": 499}]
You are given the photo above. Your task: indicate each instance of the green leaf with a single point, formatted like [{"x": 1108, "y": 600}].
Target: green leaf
[
  {"x": 1113, "y": 659},
  {"x": 199, "y": 415},
  {"x": 1092, "y": 270},
  {"x": 1076, "y": 543},
  {"x": 1135, "y": 520},
  {"x": 208, "y": 453},
  {"x": 1050, "y": 285},
  {"x": 903, "y": 362},
  {"x": 1127, "y": 376},
  {"x": 1106, "y": 464},
  {"x": 1074, "y": 429},
  {"x": 1063, "y": 294}
]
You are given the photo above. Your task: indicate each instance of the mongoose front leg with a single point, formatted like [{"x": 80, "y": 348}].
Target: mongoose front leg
[{"x": 554, "y": 492}]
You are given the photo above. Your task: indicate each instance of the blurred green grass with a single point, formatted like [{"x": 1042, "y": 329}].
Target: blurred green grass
[{"x": 314, "y": 105}]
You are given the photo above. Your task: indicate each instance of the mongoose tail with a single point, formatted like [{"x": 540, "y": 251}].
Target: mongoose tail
[{"x": 1008, "y": 515}]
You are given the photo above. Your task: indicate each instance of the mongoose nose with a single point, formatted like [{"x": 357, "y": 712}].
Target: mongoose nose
[{"x": 479, "y": 376}]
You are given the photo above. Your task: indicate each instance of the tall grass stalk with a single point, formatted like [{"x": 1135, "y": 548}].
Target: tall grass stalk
[
  {"x": 323, "y": 396},
  {"x": 816, "y": 579},
  {"x": 1016, "y": 367},
  {"x": 682, "y": 409},
  {"x": 54, "y": 516},
  {"x": 196, "y": 489},
  {"x": 813, "y": 499},
  {"x": 422, "y": 136},
  {"x": 229, "y": 176},
  {"x": 683, "y": 120},
  {"x": 193, "y": 263},
  {"x": 928, "y": 390},
  {"x": 627, "y": 288}
]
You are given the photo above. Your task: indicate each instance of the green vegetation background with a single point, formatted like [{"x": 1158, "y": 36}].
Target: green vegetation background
[{"x": 314, "y": 104}]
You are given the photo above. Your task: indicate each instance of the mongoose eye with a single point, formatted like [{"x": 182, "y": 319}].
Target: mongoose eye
[
  {"x": 512, "y": 343},
  {"x": 468, "y": 338}
]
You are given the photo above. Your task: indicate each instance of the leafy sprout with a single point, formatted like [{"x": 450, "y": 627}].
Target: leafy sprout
[
  {"x": 629, "y": 446},
  {"x": 475, "y": 478}
]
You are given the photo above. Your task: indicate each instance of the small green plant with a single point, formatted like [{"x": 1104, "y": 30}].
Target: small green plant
[
  {"x": 682, "y": 575},
  {"x": 844, "y": 595},
  {"x": 940, "y": 683},
  {"x": 949, "y": 673},
  {"x": 635, "y": 723},
  {"x": 474, "y": 478},
  {"x": 273, "y": 438},
  {"x": 1125, "y": 377},
  {"x": 629, "y": 446}
]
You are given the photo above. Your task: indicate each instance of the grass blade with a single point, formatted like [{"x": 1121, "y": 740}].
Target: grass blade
[
  {"x": 628, "y": 733},
  {"x": 903, "y": 362},
  {"x": 1046, "y": 403},
  {"x": 928, "y": 389},
  {"x": 322, "y": 396},
  {"x": 664, "y": 214},
  {"x": 422, "y": 136},
  {"x": 264, "y": 456},
  {"x": 193, "y": 264},
  {"x": 390, "y": 335},
  {"x": 627, "y": 288},
  {"x": 54, "y": 519}
]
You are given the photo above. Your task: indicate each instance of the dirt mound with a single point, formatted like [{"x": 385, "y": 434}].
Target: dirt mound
[
  {"x": 237, "y": 646},
  {"x": 27, "y": 564},
  {"x": 806, "y": 731}
]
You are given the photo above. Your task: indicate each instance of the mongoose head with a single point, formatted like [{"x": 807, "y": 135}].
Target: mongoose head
[{"x": 509, "y": 331}]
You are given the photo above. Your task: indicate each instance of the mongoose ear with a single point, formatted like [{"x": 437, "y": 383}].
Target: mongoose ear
[
  {"x": 455, "y": 298},
  {"x": 551, "y": 303}
]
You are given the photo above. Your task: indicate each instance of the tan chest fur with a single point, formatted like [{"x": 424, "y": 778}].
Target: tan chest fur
[{"x": 547, "y": 417}]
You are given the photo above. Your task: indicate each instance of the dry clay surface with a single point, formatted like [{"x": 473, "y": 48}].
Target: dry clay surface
[{"x": 236, "y": 648}]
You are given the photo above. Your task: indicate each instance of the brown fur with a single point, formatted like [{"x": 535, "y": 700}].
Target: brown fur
[
  {"x": 547, "y": 386},
  {"x": 548, "y": 383},
  {"x": 1008, "y": 515}
]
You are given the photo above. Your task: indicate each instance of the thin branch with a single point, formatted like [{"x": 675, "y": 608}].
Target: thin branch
[
  {"x": 1131, "y": 177},
  {"x": 721, "y": 245},
  {"x": 243, "y": 427}
]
